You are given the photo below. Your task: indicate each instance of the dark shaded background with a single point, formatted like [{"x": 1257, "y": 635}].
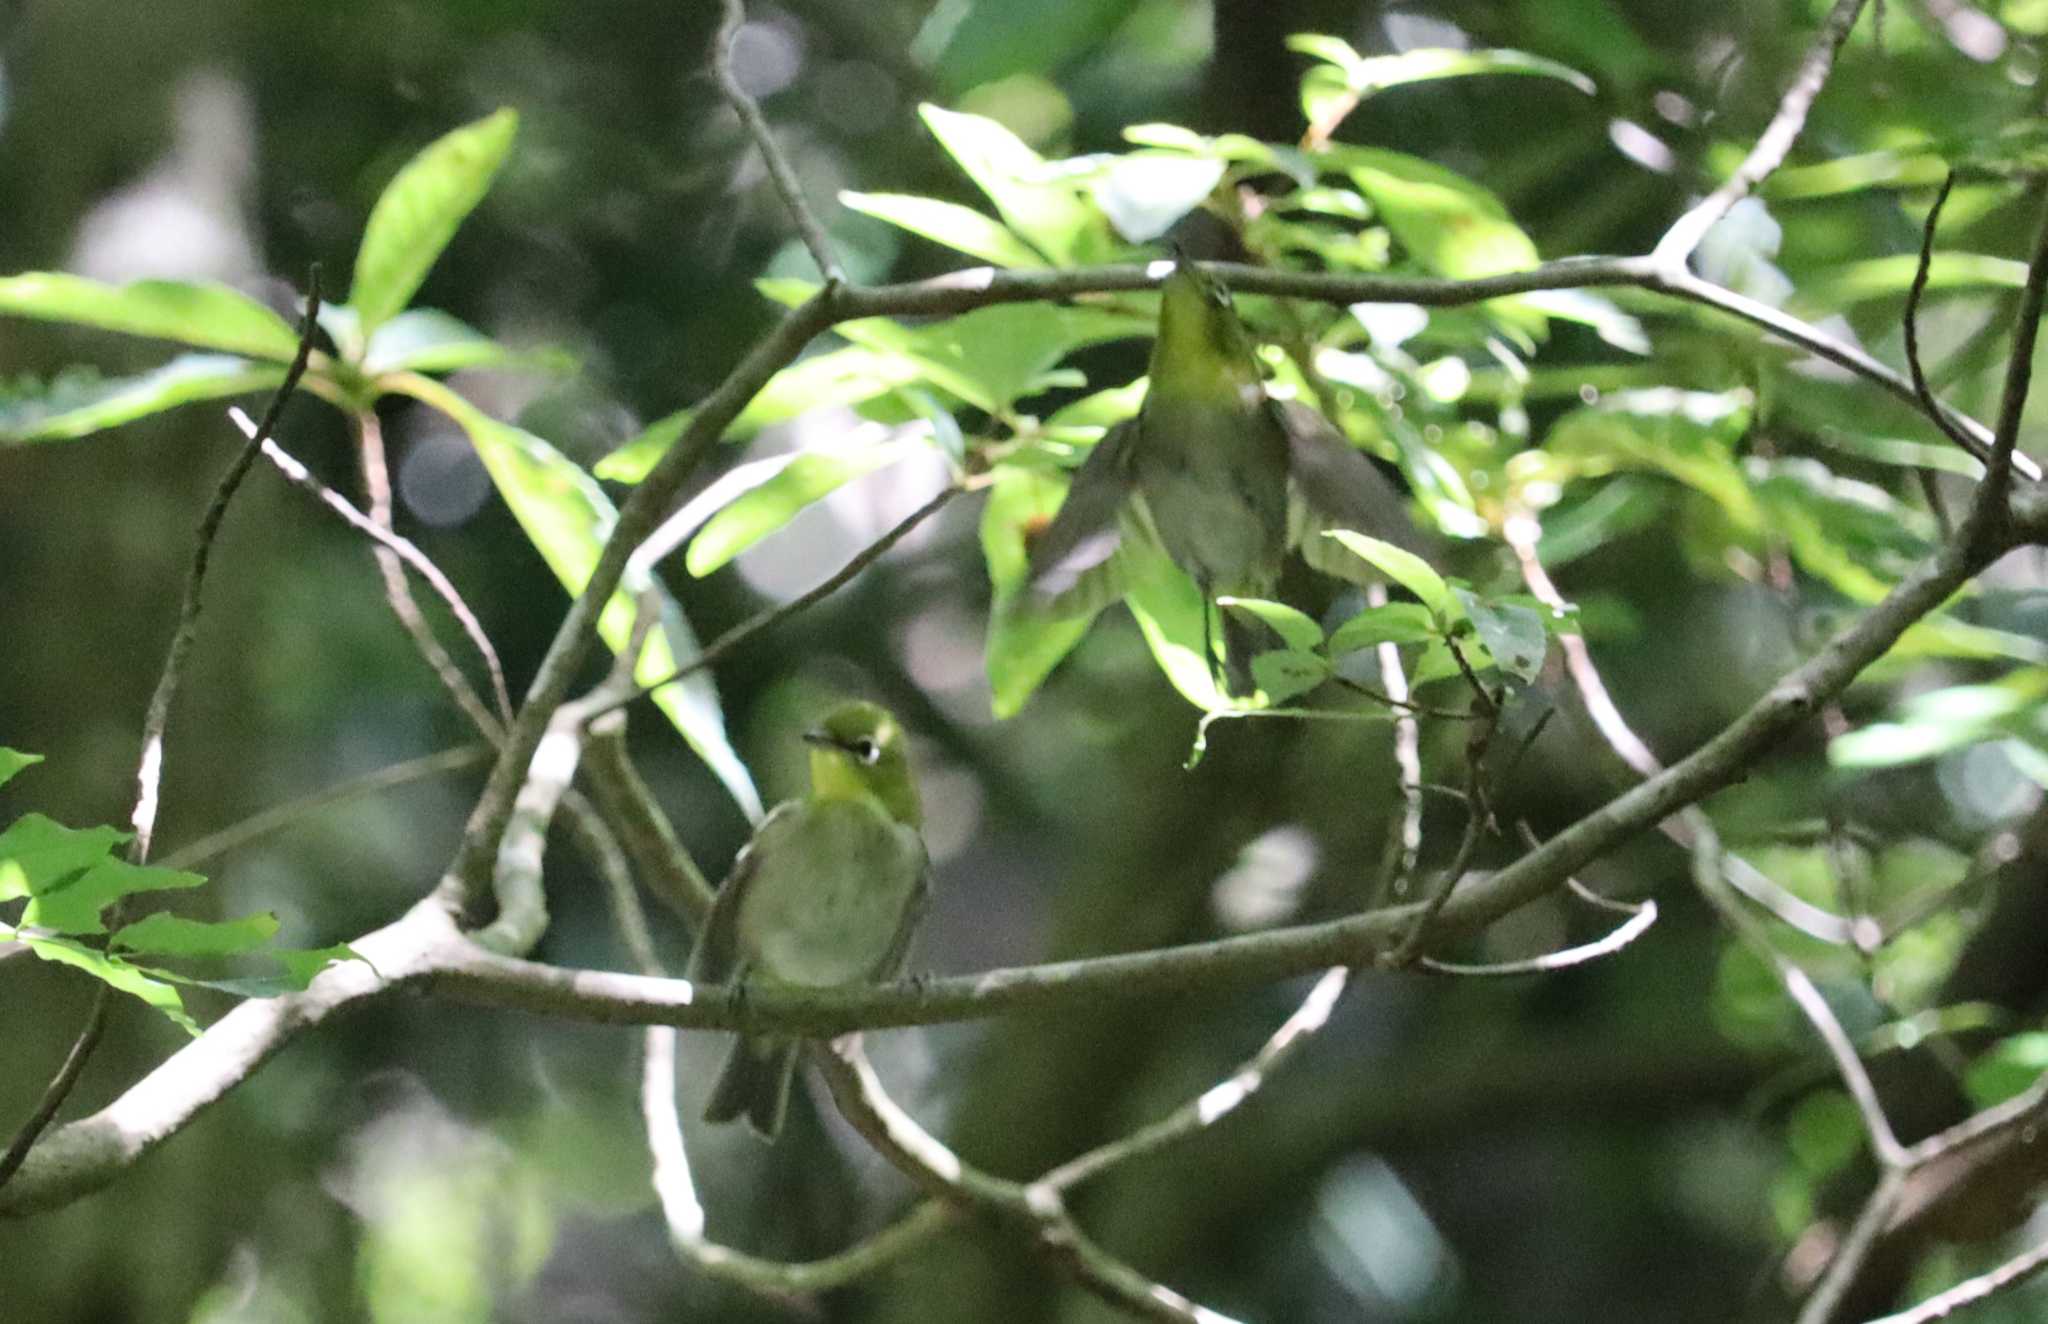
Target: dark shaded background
[{"x": 1581, "y": 1146}]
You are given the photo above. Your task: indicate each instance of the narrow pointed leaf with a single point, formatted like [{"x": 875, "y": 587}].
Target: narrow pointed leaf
[
  {"x": 429, "y": 340},
  {"x": 193, "y": 313},
  {"x": 1405, "y": 568},
  {"x": 164, "y": 934},
  {"x": 1395, "y": 623},
  {"x": 1044, "y": 209},
  {"x": 419, "y": 212},
  {"x": 116, "y": 972},
  {"x": 568, "y": 517},
  {"x": 13, "y": 761},
  {"x": 73, "y": 904},
  {"x": 78, "y": 405},
  {"x": 1297, "y": 629},
  {"x": 46, "y": 852},
  {"x": 1288, "y": 673},
  {"x": 1168, "y": 608},
  {"x": 762, "y": 510},
  {"x": 948, "y": 223}
]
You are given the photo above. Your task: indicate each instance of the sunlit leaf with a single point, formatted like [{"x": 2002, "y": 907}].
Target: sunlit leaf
[
  {"x": 192, "y": 313},
  {"x": 13, "y": 761},
  {"x": 1450, "y": 225},
  {"x": 1513, "y": 633},
  {"x": 420, "y": 211},
  {"x": 1394, "y": 623},
  {"x": 1404, "y": 568},
  {"x": 1145, "y": 193},
  {"x": 77, "y": 404},
  {"x": 1843, "y": 284},
  {"x": 2012, "y": 1064},
  {"x": 1287, "y": 673},
  {"x": 1038, "y": 204},
  {"x": 46, "y": 851},
  {"x": 1023, "y": 645},
  {"x": 948, "y": 223},
  {"x": 164, "y": 934},
  {"x": 568, "y": 518},
  {"x": 762, "y": 510},
  {"x": 1345, "y": 76},
  {"x": 73, "y": 904},
  {"x": 1168, "y": 608},
  {"x": 429, "y": 340},
  {"x": 1296, "y": 629},
  {"x": 1688, "y": 435},
  {"x": 114, "y": 971}
]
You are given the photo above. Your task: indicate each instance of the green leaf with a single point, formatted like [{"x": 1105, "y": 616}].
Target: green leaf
[
  {"x": 1144, "y": 193},
  {"x": 1450, "y": 225},
  {"x": 847, "y": 376},
  {"x": 429, "y": 340},
  {"x": 193, "y": 313},
  {"x": 992, "y": 357},
  {"x": 1513, "y": 633},
  {"x": 73, "y": 904},
  {"x": 1039, "y": 205},
  {"x": 1284, "y": 674},
  {"x": 761, "y": 510},
  {"x": 1296, "y": 629},
  {"x": 1168, "y": 608},
  {"x": 1023, "y": 646},
  {"x": 568, "y": 518},
  {"x": 1346, "y": 76},
  {"x": 948, "y": 223},
  {"x": 1842, "y": 284},
  {"x": 115, "y": 972},
  {"x": 419, "y": 212},
  {"x": 13, "y": 881},
  {"x": 13, "y": 761},
  {"x": 2012, "y": 1065},
  {"x": 78, "y": 404},
  {"x": 299, "y": 969},
  {"x": 46, "y": 851},
  {"x": 1943, "y": 720},
  {"x": 1406, "y": 569},
  {"x": 1395, "y": 623},
  {"x": 164, "y": 934},
  {"x": 1688, "y": 435}
]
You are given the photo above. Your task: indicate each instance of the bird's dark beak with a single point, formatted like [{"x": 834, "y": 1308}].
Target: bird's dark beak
[{"x": 820, "y": 736}]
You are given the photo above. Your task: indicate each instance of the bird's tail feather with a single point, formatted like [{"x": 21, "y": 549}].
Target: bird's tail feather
[{"x": 754, "y": 1084}]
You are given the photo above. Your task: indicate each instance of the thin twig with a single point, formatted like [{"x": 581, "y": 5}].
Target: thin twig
[
  {"x": 1772, "y": 145},
  {"x": 1970, "y": 1291},
  {"x": 1849, "y": 1257},
  {"x": 1522, "y": 532},
  {"x": 773, "y": 616},
  {"x": 1991, "y": 506},
  {"x": 1219, "y": 1100},
  {"x": 60, "y": 1085},
  {"x": 1640, "y": 918},
  {"x": 1884, "y": 1142},
  {"x": 148, "y": 776},
  {"x": 1404, "y": 844},
  {"x": 394, "y": 553},
  {"x": 779, "y": 170},
  {"x": 1914, "y": 293},
  {"x": 149, "y": 770},
  {"x": 377, "y": 486},
  {"x": 1037, "y": 1208},
  {"x": 263, "y": 823}
]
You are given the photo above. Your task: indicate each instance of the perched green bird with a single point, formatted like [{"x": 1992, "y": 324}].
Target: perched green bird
[
  {"x": 1217, "y": 474},
  {"x": 827, "y": 893}
]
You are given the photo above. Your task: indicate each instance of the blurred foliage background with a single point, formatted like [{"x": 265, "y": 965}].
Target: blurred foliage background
[{"x": 1647, "y": 1137}]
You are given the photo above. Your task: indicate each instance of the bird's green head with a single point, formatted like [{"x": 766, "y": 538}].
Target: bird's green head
[
  {"x": 858, "y": 752},
  {"x": 1201, "y": 342}
]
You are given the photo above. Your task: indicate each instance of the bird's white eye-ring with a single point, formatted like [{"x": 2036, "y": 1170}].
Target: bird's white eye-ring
[{"x": 867, "y": 751}]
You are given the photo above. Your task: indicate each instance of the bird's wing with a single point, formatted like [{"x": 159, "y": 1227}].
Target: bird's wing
[
  {"x": 907, "y": 923},
  {"x": 717, "y": 958},
  {"x": 1075, "y": 564},
  {"x": 1332, "y": 485}
]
